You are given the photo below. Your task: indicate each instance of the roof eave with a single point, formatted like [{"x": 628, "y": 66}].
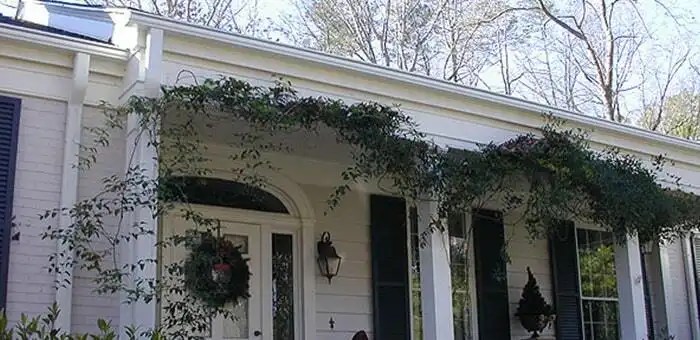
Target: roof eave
[
  {"x": 329, "y": 60},
  {"x": 63, "y": 42}
]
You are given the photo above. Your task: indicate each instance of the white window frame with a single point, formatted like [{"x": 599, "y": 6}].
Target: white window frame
[
  {"x": 473, "y": 332},
  {"x": 411, "y": 260},
  {"x": 591, "y": 298}
]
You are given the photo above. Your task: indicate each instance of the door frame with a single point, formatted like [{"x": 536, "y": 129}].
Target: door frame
[{"x": 303, "y": 240}]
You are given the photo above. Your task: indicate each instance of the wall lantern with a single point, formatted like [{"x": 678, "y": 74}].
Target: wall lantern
[{"x": 328, "y": 259}]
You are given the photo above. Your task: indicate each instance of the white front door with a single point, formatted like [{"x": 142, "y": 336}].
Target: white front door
[
  {"x": 247, "y": 322},
  {"x": 271, "y": 312}
]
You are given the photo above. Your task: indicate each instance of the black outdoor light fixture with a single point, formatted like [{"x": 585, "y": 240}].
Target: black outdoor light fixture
[{"x": 328, "y": 259}]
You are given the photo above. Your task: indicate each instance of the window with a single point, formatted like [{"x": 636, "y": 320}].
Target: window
[
  {"x": 282, "y": 287},
  {"x": 416, "y": 310},
  {"x": 596, "y": 258},
  {"x": 459, "y": 268},
  {"x": 220, "y": 193}
]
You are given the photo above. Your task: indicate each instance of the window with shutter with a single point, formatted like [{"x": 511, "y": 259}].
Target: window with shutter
[
  {"x": 567, "y": 299},
  {"x": 490, "y": 271},
  {"x": 9, "y": 124},
  {"x": 391, "y": 288},
  {"x": 585, "y": 284},
  {"x": 695, "y": 240},
  {"x": 460, "y": 264},
  {"x": 596, "y": 264}
]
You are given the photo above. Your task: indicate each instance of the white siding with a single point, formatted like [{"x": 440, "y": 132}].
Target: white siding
[
  {"x": 41, "y": 77},
  {"x": 679, "y": 317},
  {"x": 87, "y": 305},
  {"x": 37, "y": 189},
  {"x": 524, "y": 253},
  {"x": 348, "y": 299}
]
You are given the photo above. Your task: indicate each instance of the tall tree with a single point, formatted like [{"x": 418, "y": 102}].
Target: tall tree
[
  {"x": 601, "y": 56},
  {"x": 240, "y": 16},
  {"x": 466, "y": 46},
  {"x": 679, "y": 117},
  {"x": 441, "y": 38},
  {"x": 393, "y": 33},
  {"x": 606, "y": 40},
  {"x": 677, "y": 113}
]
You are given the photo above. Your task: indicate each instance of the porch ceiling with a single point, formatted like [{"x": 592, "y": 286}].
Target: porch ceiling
[{"x": 321, "y": 146}]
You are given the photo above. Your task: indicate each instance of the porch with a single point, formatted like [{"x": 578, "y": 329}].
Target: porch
[{"x": 398, "y": 278}]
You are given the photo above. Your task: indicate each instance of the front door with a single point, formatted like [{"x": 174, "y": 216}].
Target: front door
[
  {"x": 269, "y": 312},
  {"x": 247, "y": 323}
]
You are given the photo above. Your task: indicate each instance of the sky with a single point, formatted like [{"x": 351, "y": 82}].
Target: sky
[{"x": 658, "y": 22}]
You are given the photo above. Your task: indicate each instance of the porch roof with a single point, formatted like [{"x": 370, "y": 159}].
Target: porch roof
[{"x": 525, "y": 108}]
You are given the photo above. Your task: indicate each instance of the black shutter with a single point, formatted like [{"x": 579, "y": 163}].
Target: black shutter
[
  {"x": 567, "y": 300},
  {"x": 490, "y": 270},
  {"x": 9, "y": 122},
  {"x": 390, "y": 268},
  {"x": 695, "y": 243}
]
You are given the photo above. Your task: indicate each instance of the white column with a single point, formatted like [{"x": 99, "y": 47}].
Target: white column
[
  {"x": 69, "y": 183},
  {"x": 308, "y": 257},
  {"x": 436, "y": 286},
  {"x": 688, "y": 262},
  {"x": 665, "y": 310},
  {"x": 630, "y": 290},
  {"x": 145, "y": 313},
  {"x": 141, "y": 153}
]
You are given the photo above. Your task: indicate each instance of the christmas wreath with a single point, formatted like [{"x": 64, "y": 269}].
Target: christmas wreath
[{"x": 215, "y": 271}]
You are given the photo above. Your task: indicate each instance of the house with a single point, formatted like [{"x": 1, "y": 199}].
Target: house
[{"x": 59, "y": 61}]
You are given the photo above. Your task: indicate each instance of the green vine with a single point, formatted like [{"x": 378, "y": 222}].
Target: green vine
[{"x": 543, "y": 178}]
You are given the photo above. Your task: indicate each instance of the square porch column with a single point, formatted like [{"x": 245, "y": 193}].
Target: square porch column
[
  {"x": 630, "y": 290},
  {"x": 145, "y": 70},
  {"x": 435, "y": 279}
]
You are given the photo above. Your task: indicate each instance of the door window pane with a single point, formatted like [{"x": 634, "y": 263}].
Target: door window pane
[{"x": 282, "y": 287}]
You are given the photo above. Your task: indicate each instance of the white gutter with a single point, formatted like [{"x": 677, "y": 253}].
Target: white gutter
[
  {"x": 69, "y": 183},
  {"x": 63, "y": 42},
  {"x": 690, "y": 282},
  {"x": 329, "y": 60}
]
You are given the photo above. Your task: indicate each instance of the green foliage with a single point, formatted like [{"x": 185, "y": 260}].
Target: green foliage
[
  {"x": 566, "y": 180},
  {"x": 679, "y": 116},
  {"x": 544, "y": 177},
  {"x": 43, "y": 327},
  {"x": 210, "y": 251},
  {"x": 597, "y": 271}
]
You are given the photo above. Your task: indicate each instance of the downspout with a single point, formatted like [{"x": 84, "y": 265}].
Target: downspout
[
  {"x": 69, "y": 183},
  {"x": 690, "y": 287}
]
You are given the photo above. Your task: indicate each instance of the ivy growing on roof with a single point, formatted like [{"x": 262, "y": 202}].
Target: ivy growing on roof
[{"x": 541, "y": 177}]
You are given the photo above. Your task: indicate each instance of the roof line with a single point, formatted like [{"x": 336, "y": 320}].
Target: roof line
[
  {"x": 335, "y": 61},
  {"x": 31, "y": 35}
]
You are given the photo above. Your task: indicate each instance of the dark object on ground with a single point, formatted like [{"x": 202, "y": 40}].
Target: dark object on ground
[{"x": 361, "y": 335}]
